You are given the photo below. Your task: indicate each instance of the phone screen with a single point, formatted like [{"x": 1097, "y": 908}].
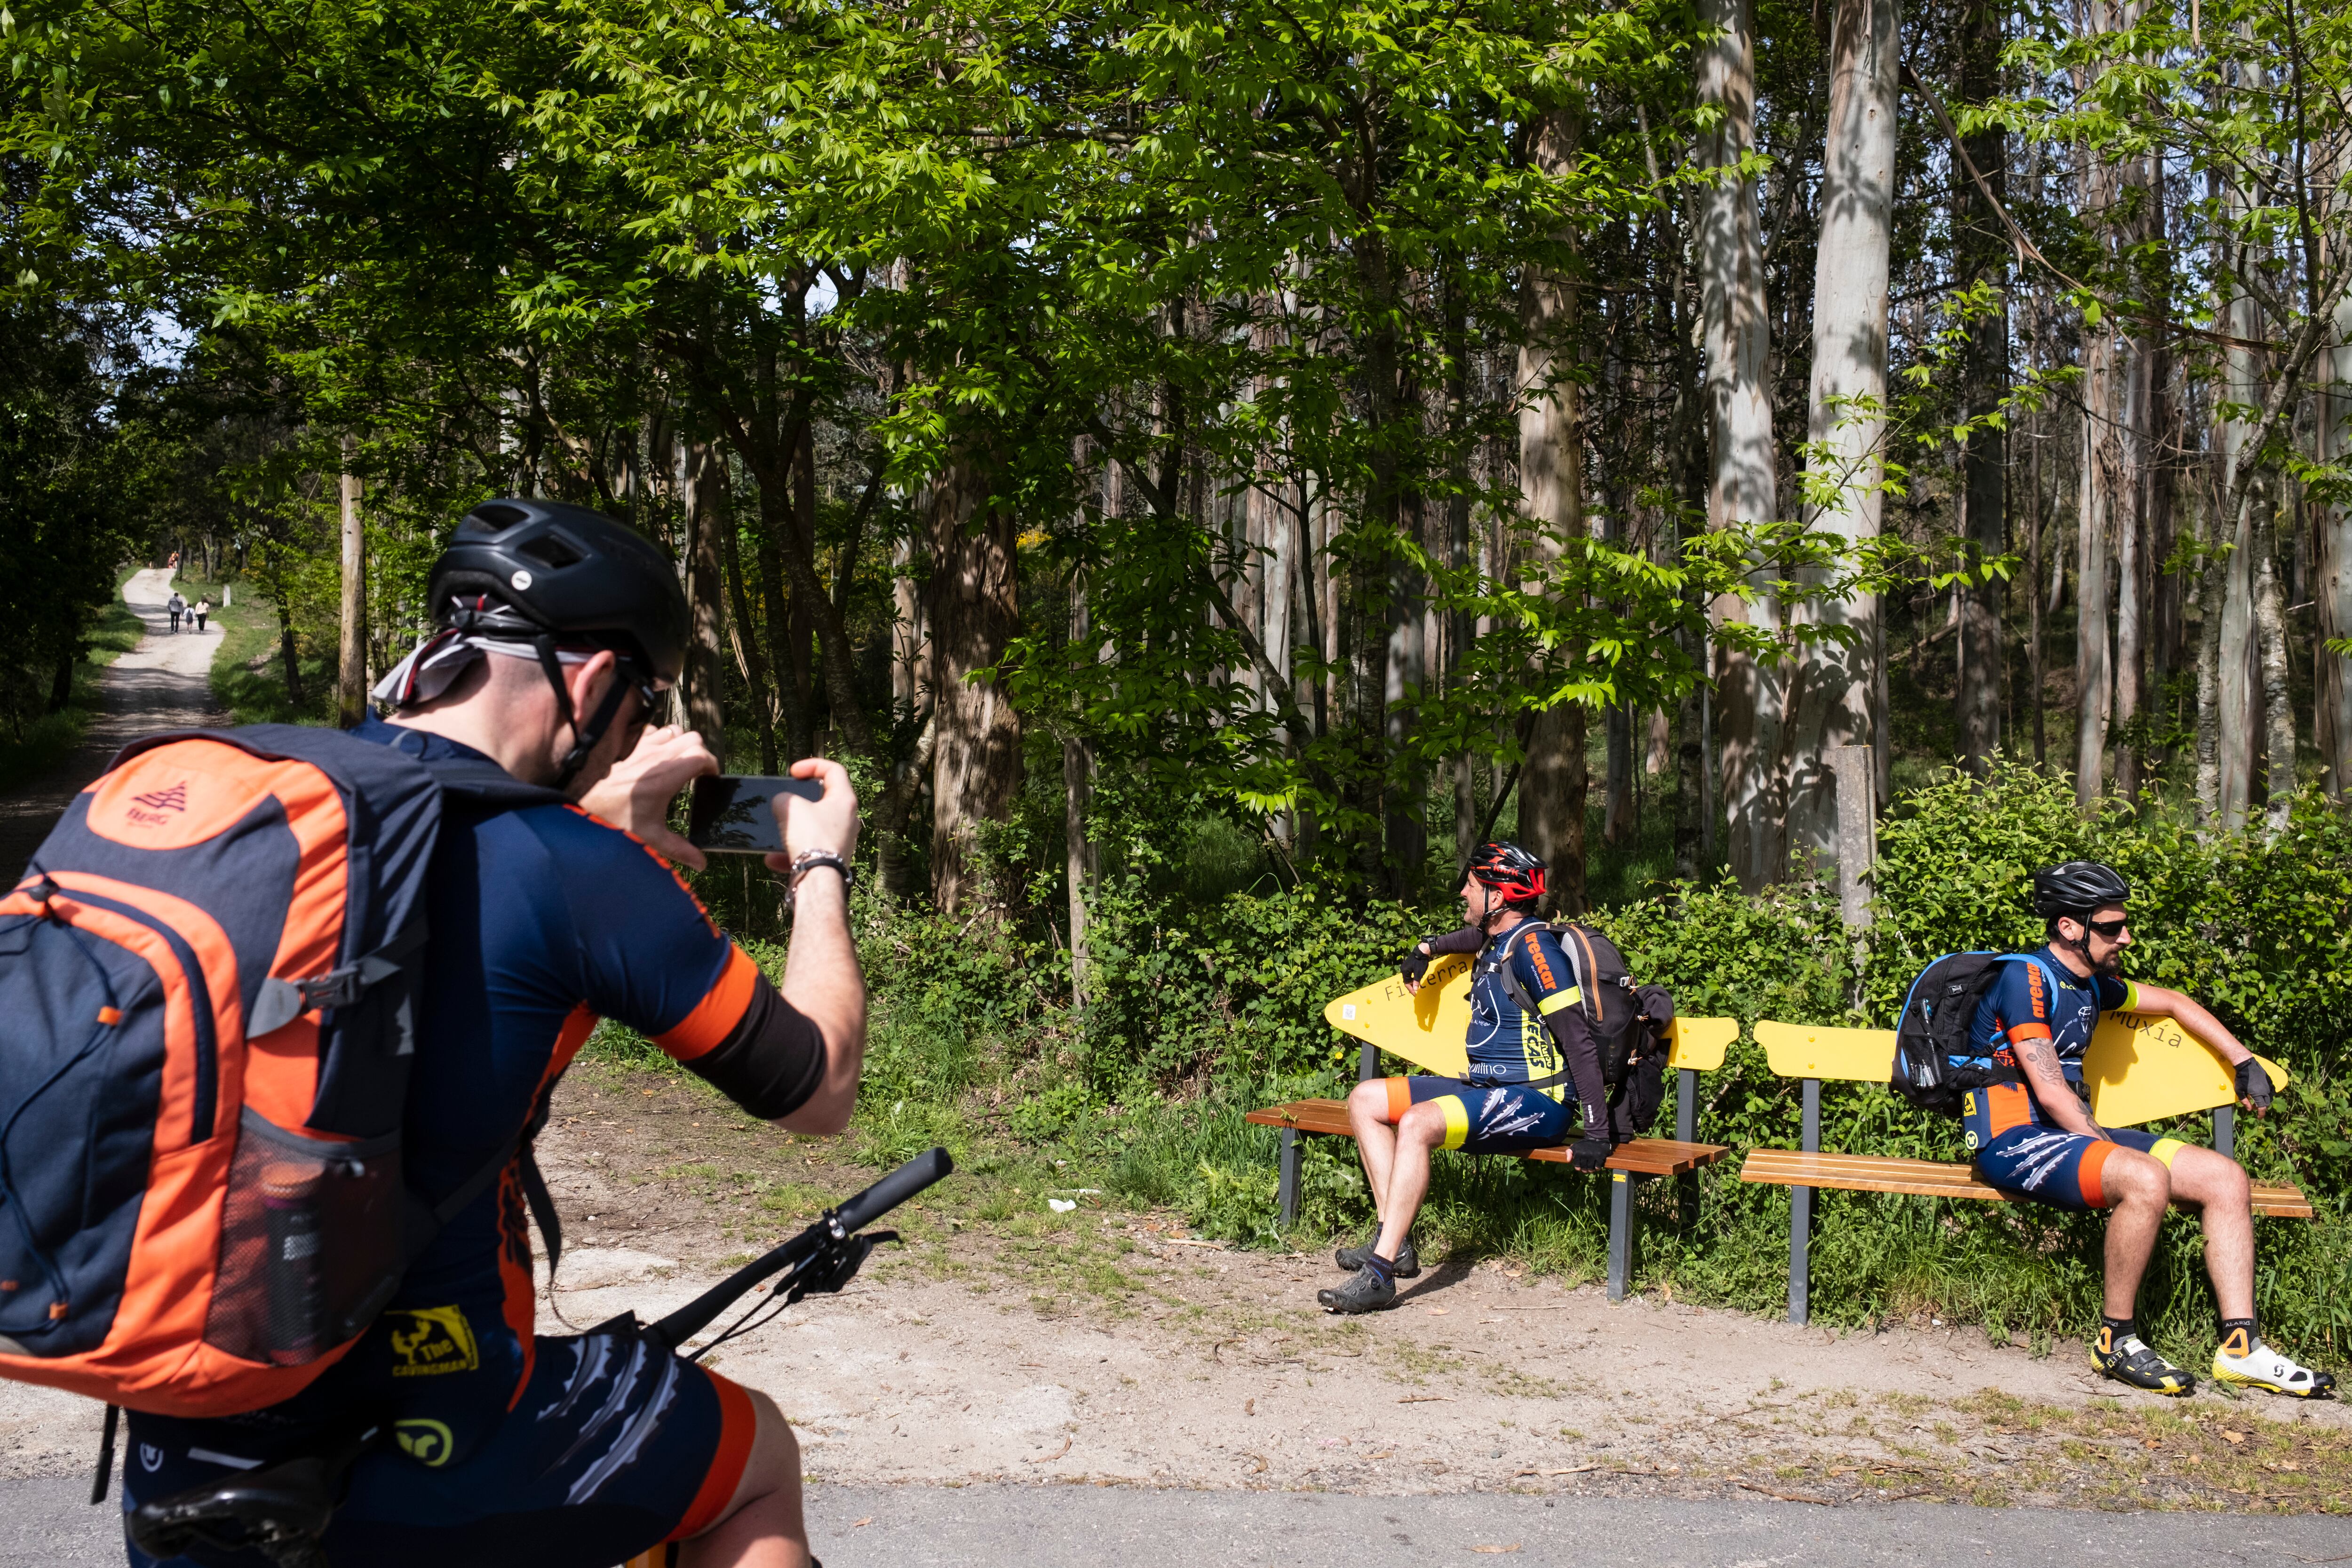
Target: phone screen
[{"x": 733, "y": 814}]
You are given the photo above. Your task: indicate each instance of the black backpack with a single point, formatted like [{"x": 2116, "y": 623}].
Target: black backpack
[
  {"x": 1628, "y": 1022},
  {"x": 1935, "y": 1065}
]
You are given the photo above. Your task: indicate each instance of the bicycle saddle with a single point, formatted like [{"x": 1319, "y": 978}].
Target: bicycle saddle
[{"x": 280, "y": 1512}]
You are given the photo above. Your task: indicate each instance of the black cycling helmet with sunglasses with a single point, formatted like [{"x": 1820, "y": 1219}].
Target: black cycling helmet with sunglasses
[{"x": 550, "y": 574}]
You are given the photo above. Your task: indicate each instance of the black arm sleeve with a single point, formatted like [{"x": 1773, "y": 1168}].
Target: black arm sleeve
[
  {"x": 771, "y": 1062},
  {"x": 1574, "y": 1036},
  {"x": 1469, "y": 938}
]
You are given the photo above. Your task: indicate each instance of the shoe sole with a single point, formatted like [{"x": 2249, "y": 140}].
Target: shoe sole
[
  {"x": 2240, "y": 1380},
  {"x": 2182, "y": 1392},
  {"x": 1338, "y": 1310}
]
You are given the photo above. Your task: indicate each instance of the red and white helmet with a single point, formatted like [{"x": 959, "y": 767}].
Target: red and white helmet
[{"x": 1509, "y": 870}]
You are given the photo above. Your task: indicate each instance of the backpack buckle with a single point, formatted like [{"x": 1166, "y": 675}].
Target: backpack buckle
[{"x": 336, "y": 988}]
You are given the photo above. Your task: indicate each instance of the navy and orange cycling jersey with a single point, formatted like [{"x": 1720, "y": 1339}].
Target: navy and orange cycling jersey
[
  {"x": 545, "y": 919},
  {"x": 2037, "y": 997}
]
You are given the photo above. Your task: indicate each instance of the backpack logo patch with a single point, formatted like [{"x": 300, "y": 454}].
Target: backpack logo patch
[
  {"x": 156, "y": 803},
  {"x": 436, "y": 1339}
]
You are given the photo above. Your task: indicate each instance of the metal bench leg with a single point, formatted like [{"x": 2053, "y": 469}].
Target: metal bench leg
[
  {"x": 1621, "y": 1233},
  {"x": 1800, "y": 1215},
  {"x": 2225, "y": 1130},
  {"x": 1687, "y": 1130},
  {"x": 1289, "y": 1194},
  {"x": 1367, "y": 1063}
]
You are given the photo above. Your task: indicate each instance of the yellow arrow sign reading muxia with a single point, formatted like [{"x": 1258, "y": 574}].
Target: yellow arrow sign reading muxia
[
  {"x": 2144, "y": 1069},
  {"x": 1429, "y": 1027}
]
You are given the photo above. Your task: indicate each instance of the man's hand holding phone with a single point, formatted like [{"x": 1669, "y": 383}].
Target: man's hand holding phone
[
  {"x": 637, "y": 795},
  {"x": 829, "y": 822}
]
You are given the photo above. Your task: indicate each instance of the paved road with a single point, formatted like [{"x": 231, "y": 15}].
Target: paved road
[
  {"x": 50, "y": 1523},
  {"x": 159, "y": 685}
]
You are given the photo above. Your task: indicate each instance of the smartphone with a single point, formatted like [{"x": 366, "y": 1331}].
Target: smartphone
[{"x": 736, "y": 813}]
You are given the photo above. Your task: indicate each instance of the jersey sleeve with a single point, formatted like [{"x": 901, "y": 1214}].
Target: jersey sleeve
[
  {"x": 651, "y": 956},
  {"x": 1543, "y": 970},
  {"x": 1550, "y": 981},
  {"x": 2117, "y": 996},
  {"x": 2021, "y": 1004}
]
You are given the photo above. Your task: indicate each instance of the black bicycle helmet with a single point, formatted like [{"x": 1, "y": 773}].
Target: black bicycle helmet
[
  {"x": 2077, "y": 887},
  {"x": 1509, "y": 870},
  {"x": 517, "y": 568},
  {"x": 546, "y": 573}
]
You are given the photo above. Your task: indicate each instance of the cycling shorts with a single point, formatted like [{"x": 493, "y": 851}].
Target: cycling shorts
[
  {"x": 616, "y": 1446},
  {"x": 2047, "y": 1165},
  {"x": 1485, "y": 1119}
]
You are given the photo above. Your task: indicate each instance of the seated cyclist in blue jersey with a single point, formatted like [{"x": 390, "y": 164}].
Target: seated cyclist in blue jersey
[
  {"x": 1534, "y": 1078},
  {"x": 2034, "y": 1138},
  {"x": 559, "y": 630}
]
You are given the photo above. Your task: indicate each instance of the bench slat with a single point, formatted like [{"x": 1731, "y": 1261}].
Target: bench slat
[
  {"x": 1937, "y": 1179},
  {"x": 1641, "y": 1157}
]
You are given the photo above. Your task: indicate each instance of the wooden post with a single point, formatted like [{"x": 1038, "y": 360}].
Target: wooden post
[
  {"x": 351, "y": 677},
  {"x": 1857, "y": 840}
]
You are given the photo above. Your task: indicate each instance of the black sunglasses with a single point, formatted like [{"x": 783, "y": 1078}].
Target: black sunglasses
[{"x": 2107, "y": 930}]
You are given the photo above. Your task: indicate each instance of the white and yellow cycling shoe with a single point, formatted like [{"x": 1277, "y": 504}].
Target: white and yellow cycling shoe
[{"x": 2262, "y": 1367}]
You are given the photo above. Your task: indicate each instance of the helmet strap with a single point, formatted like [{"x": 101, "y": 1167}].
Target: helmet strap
[{"x": 583, "y": 736}]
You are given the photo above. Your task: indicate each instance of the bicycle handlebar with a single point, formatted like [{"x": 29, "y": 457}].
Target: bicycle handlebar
[{"x": 833, "y": 1226}]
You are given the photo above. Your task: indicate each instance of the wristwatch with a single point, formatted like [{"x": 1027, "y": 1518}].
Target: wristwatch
[{"x": 818, "y": 860}]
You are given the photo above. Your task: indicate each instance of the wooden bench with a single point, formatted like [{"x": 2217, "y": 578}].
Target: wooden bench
[
  {"x": 1697, "y": 1046},
  {"x": 2169, "y": 1083}
]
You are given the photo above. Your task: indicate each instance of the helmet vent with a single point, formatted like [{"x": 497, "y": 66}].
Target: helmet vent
[
  {"x": 551, "y": 551},
  {"x": 497, "y": 515}
]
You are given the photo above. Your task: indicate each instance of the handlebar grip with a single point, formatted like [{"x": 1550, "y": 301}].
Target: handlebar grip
[{"x": 895, "y": 1189}]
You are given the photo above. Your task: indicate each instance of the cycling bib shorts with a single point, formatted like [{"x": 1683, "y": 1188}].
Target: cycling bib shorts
[
  {"x": 2048, "y": 1165},
  {"x": 1485, "y": 1119},
  {"x": 613, "y": 1447}
]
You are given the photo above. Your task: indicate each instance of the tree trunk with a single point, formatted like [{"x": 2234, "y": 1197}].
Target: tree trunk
[
  {"x": 699, "y": 489},
  {"x": 2333, "y": 698},
  {"x": 287, "y": 655},
  {"x": 1078, "y": 864},
  {"x": 2033, "y": 602},
  {"x": 1743, "y": 487},
  {"x": 1984, "y": 377},
  {"x": 351, "y": 665},
  {"x": 2278, "y": 711},
  {"x": 1617, "y": 826},
  {"x": 801, "y": 619},
  {"x": 1847, "y": 419},
  {"x": 1553, "y": 782},
  {"x": 2238, "y": 676},
  {"x": 2093, "y": 683},
  {"x": 744, "y": 633},
  {"x": 2130, "y": 567},
  {"x": 775, "y": 519},
  {"x": 974, "y": 613}
]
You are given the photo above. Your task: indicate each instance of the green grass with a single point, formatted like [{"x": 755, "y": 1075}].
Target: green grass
[
  {"x": 46, "y": 742},
  {"x": 248, "y": 677}
]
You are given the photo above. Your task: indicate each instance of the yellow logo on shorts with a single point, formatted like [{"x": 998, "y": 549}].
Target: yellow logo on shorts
[
  {"x": 436, "y": 1339},
  {"x": 426, "y": 1442}
]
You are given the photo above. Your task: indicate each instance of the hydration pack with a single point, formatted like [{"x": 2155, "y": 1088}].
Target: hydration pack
[
  {"x": 208, "y": 972},
  {"x": 1935, "y": 1064},
  {"x": 1628, "y": 1021}
]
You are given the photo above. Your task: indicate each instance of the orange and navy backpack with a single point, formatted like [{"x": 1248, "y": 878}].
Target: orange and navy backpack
[{"x": 205, "y": 985}]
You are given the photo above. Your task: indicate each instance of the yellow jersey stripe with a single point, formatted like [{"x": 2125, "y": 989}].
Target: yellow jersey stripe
[{"x": 1558, "y": 999}]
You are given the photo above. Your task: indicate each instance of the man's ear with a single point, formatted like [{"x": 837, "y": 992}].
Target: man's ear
[{"x": 587, "y": 682}]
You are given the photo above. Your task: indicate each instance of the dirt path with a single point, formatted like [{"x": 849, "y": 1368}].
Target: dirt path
[{"x": 159, "y": 685}]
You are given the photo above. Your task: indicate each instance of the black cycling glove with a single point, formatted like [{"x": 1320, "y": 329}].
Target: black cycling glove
[
  {"x": 1413, "y": 964},
  {"x": 1589, "y": 1154},
  {"x": 2253, "y": 1084}
]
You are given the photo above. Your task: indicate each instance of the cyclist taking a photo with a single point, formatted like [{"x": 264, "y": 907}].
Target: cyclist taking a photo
[{"x": 559, "y": 631}]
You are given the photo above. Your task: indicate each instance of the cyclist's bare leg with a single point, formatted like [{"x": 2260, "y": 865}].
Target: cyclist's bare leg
[
  {"x": 1368, "y": 1116},
  {"x": 2217, "y": 1185},
  {"x": 762, "y": 1527}
]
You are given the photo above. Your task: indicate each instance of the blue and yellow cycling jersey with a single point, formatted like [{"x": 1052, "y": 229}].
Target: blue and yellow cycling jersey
[{"x": 1509, "y": 1044}]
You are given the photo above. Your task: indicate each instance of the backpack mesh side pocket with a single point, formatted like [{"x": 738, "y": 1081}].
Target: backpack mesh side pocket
[{"x": 310, "y": 1243}]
